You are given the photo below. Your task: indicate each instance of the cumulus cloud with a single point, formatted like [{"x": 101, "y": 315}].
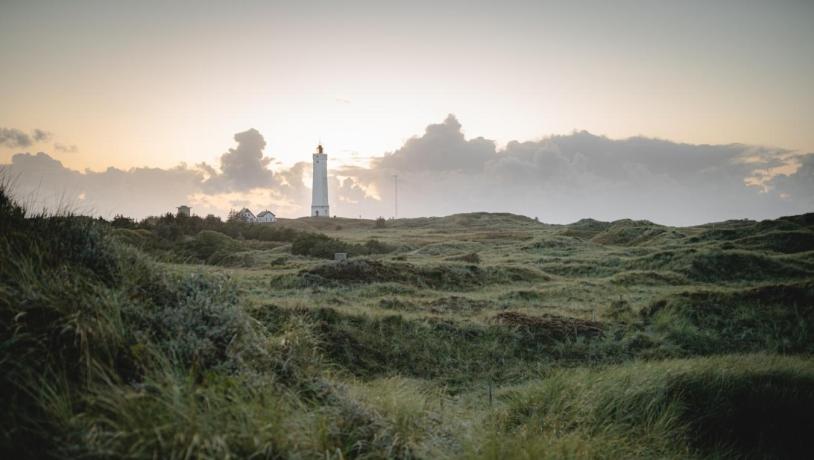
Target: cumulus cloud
[
  {"x": 244, "y": 178},
  {"x": 559, "y": 179},
  {"x": 242, "y": 168},
  {"x": 564, "y": 178},
  {"x": 291, "y": 185},
  {"x": 45, "y": 183},
  {"x": 441, "y": 148},
  {"x": 15, "y": 138}
]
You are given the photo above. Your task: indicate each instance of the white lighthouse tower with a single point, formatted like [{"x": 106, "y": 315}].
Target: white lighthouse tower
[{"x": 319, "y": 192}]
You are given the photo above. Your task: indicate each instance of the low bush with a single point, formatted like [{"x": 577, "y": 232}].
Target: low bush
[
  {"x": 194, "y": 319},
  {"x": 209, "y": 246},
  {"x": 324, "y": 247},
  {"x": 318, "y": 245}
]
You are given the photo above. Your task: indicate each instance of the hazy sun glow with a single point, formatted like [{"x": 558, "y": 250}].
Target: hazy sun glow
[
  {"x": 143, "y": 85},
  {"x": 706, "y": 105}
]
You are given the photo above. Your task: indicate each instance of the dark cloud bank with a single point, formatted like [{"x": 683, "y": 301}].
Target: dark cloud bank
[{"x": 558, "y": 179}]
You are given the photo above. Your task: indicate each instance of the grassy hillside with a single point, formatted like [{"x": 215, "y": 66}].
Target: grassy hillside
[{"x": 467, "y": 336}]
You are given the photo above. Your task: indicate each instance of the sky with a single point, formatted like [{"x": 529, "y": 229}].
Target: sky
[{"x": 677, "y": 112}]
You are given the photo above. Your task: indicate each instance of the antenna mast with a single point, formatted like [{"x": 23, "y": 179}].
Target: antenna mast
[{"x": 396, "y": 198}]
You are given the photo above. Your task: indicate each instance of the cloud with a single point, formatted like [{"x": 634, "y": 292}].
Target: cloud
[
  {"x": 242, "y": 168},
  {"x": 564, "y": 178},
  {"x": 291, "y": 186},
  {"x": 244, "y": 178},
  {"x": 64, "y": 148},
  {"x": 40, "y": 135},
  {"x": 441, "y": 148},
  {"x": 797, "y": 187},
  {"x": 45, "y": 183},
  {"x": 15, "y": 138},
  {"x": 559, "y": 179}
]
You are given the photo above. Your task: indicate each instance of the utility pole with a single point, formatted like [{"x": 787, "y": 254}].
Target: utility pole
[{"x": 396, "y": 199}]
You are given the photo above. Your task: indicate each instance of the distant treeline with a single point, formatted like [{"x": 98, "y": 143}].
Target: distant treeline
[
  {"x": 172, "y": 227},
  {"x": 198, "y": 238}
]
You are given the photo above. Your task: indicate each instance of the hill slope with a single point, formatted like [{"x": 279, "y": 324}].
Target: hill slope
[{"x": 473, "y": 336}]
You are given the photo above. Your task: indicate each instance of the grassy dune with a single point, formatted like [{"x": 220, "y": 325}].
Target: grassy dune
[{"x": 468, "y": 336}]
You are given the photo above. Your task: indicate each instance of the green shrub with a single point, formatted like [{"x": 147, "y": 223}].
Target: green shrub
[
  {"x": 318, "y": 245},
  {"x": 193, "y": 319},
  {"x": 209, "y": 246},
  {"x": 374, "y": 247},
  {"x": 324, "y": 247}
]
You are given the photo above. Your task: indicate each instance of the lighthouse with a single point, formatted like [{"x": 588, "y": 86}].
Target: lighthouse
[{"x": 319, "y": 192}]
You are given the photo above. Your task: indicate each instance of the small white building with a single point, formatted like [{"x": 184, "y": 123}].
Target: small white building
[
  {"x": 266, "y": 217},
  {"x": 245, "y": 215}
]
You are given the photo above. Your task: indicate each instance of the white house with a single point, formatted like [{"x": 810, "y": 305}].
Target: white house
[
  {"x": 266, "y": 217},
  {"x": 245, "y": 215}
]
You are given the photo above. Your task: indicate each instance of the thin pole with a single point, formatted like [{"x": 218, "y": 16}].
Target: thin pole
[{"x": 396, "y": 200}]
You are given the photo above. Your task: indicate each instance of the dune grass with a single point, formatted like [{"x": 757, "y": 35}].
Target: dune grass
[
  {"x": 725, "y": 406},
  {"x": 470, "y": 336}
]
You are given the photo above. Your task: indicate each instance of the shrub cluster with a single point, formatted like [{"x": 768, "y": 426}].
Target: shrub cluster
[
  {"x": 212, "y": 241},
  {"x": 172, "y": 227},
  {"x": 324, "y": 247}
]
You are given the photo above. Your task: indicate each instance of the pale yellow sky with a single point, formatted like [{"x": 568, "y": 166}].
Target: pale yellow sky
[{"x": 154, "y": 85}]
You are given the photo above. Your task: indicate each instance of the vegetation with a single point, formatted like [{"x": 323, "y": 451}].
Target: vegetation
[
  {"x": 470, "y": 336},
  {"x": 325, "y": 247}
]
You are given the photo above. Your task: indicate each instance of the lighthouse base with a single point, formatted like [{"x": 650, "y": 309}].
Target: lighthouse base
[{"x": 320, "y": 211}]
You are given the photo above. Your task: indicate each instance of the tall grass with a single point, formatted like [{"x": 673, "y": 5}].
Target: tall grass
[
  {"x": 107, "y": 353},
  {"x": 746, "y": 405}
]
